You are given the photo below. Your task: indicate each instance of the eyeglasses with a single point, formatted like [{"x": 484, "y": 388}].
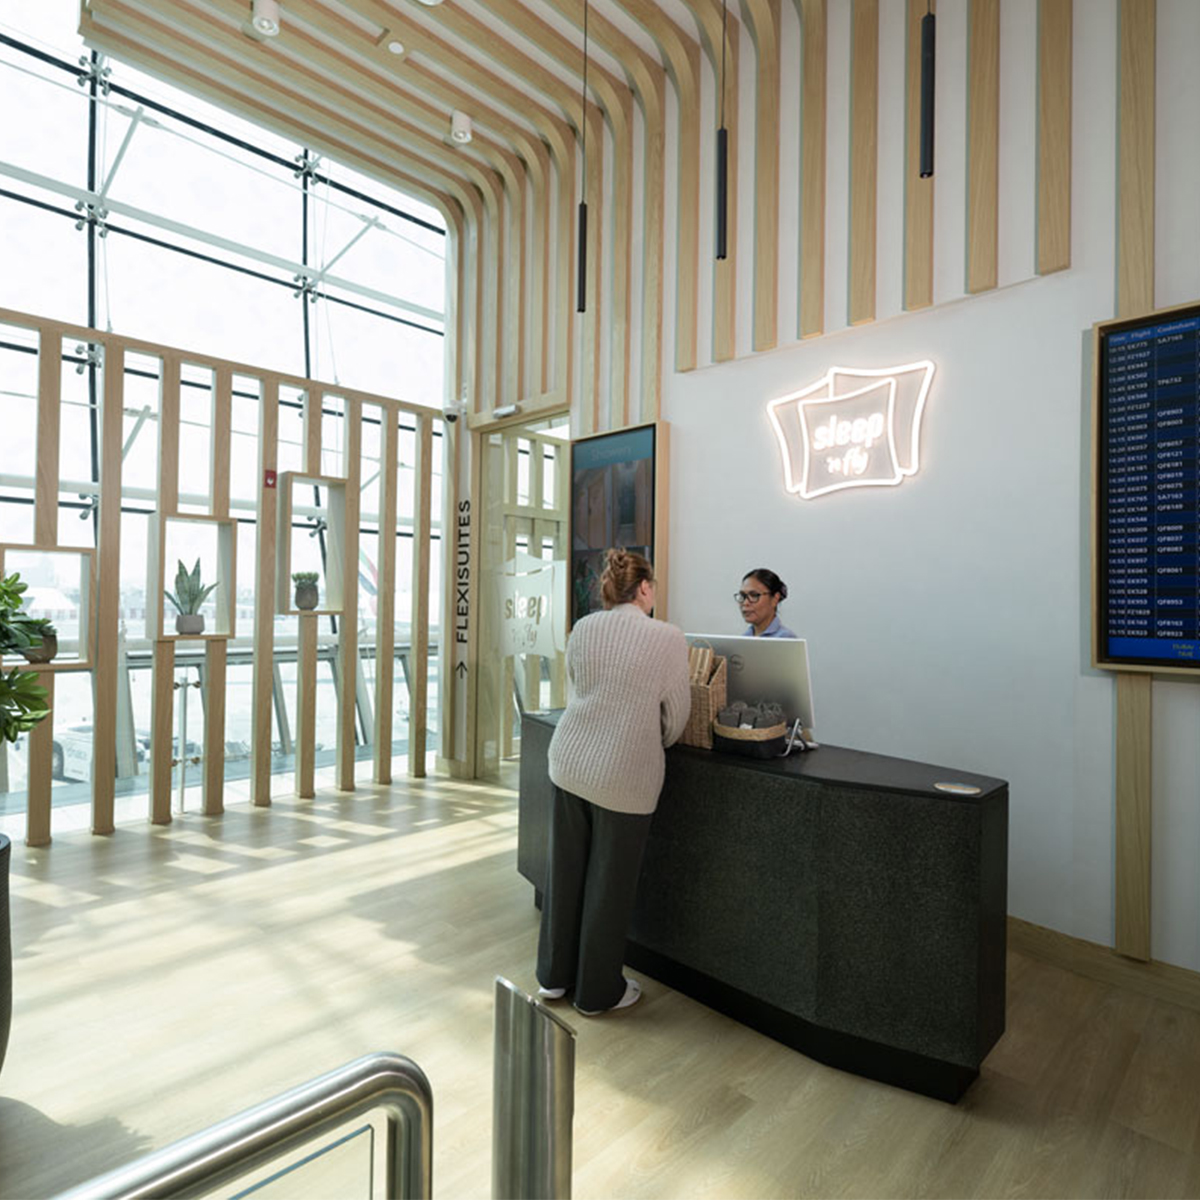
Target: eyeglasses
[{"x": 751, "y": 597}]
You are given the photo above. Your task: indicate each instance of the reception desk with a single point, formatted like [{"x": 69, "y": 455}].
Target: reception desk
[{"x": 836, "y": 901}]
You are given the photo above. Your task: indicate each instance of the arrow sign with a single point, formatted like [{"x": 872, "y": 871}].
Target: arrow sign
[{"x": 461, "y": 668}]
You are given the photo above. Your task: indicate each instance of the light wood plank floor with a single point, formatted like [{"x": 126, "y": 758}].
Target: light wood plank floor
[{"x": 167, "y": 978}]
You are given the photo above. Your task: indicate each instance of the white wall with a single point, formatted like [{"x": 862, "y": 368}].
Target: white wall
[{"x": 948, "y": 618}]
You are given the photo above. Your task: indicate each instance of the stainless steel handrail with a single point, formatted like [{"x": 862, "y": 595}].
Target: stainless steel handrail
[
  {"x": 533, "y": 1099},
  {"x": 226, "y": 1151}
]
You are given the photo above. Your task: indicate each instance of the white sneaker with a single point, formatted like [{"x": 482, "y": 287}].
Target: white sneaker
[
  {"x": 633, "y": 993},
  {"x": 551, "y": 993}
]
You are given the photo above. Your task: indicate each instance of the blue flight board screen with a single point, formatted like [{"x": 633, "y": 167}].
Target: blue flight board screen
[{"x": 1149, "y": 496}]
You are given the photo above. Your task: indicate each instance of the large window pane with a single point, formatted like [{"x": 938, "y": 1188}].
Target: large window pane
[{"x": 45, "y": 262}]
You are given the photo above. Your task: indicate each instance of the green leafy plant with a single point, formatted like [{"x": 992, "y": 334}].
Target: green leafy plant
[
  {"x": 305, "y": 576},
  {"x": 22, "y": 698},
  {"x": 189, "y": 592},
  {"x": 18, "y": 630}
]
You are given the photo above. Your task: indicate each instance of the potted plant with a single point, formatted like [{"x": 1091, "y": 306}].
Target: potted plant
[
  {"x": 306, "y": 589},
  {"x": 188, "y": 596},
  {"x": 44, "y": 650}
]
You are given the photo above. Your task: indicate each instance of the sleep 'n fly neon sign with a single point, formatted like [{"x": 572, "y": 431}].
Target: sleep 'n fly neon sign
[{"x": 852, "y": 428}]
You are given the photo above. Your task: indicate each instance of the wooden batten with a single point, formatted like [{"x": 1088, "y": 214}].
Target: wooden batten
[
  {"x": 264, "y": 594},
  {"x": 49, "y": 418},
  {"x": 306, "y": 704},
  {"x": 41, "y": 756},
  {"x": 108, "y": 595},
  {"x": 162, "y": 709},
  {"x": 983, "y": 145},
  {"x": 385, "y": 615},
  {"x": 348, "y": 622},
  {"x": 812, "y": 169},
  {"x": 419, "y": 655},
  {"x": 765, "y": 19},
  {"x": 1055, "y": 39},
  {"x": 1135, "y": 294},
  {"x": 918, "y": 192},
  {"x": 864, "y": 159}
]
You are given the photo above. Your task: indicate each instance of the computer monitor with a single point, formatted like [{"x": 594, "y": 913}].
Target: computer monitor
[{"x": 759, "y": 669}]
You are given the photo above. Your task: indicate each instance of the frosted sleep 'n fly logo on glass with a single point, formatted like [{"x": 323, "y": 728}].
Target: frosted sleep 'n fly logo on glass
[{"x": 852, "y": 428}]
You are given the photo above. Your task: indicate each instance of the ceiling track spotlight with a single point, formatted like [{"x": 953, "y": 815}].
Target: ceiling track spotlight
[
  {"x": 264, "y": 16},
  {"x": 581, "y": 252},
  {"x": 460, "y": 128}
]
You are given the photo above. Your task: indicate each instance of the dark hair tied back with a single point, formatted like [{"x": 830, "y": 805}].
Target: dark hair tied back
[
  {"x": 624, "y": 573},
  {"x": 769, "y": 580}
]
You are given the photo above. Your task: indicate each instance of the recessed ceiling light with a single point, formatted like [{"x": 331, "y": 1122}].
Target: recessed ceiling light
[
  {"x": 431, "y": 3},
  {"x": 265, "y": 17},
  {"x": 396, "y": 47}
]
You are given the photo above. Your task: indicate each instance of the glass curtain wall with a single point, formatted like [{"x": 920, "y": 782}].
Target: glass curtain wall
[{"x": 128, "y": 205}]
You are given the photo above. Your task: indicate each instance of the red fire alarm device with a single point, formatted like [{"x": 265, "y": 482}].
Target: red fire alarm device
[{"x": 269, "y": 479}]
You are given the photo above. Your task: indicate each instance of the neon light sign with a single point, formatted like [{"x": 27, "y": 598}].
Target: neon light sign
[{"x": 854, "y": 427}]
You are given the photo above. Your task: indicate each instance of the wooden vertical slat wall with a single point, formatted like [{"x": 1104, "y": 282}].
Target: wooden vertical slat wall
[
  {"x": 264, "y": 595},
  {"x": 385, "y": 617},
  {"x": 348, "y": 623},
  {"x": 45, "y": 533},
  {"x": 562, "y": 500},
  {"x": 108, "y": 596},
  {"x": 533, "y": 662},
  {"x": 162, "y": 706},
  {"x": 1135, "y": 294},
  {"x": 419, "y": 657},
  {"x": 216, "y": 651},
  {"x": 918, "y": 192},
  {"x": 983, "y": 144},
  {"x": 864, "y": 158},
  {"x": 102, "y": 639},
  {"x": 1055, "y": 21},
  {"x": 306, "y": 703},
  {"x": 765, "y": 21},
  {"x": 508, "y": 501},
  {"x": 812, "y": 169}
]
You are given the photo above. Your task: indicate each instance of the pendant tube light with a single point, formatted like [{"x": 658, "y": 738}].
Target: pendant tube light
[
  {"x": 928, "y": 64},
  {"x": 581, "y": 253},
  {"x": 722, "y": 157}
]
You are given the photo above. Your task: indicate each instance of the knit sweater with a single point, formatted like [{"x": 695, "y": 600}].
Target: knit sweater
[{"x": 629, "y": 697}]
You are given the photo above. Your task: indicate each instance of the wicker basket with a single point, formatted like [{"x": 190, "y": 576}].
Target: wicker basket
[
  {"x": 708, "y": 698},
  {"x": 751, "y": 743}
]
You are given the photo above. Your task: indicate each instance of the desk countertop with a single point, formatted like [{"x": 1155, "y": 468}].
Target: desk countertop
[{"x": 840, "y": 767}]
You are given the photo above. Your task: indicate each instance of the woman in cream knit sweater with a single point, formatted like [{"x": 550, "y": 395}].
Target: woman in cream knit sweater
[{"x": 629, "y": 698}]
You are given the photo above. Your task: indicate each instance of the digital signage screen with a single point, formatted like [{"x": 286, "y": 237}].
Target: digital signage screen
[
  {"x": 612, "y": 504},
  {"x": 1148, "y": 493}
]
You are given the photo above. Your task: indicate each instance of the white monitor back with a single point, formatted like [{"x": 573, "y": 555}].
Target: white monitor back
[{"x": 759, "y": 669}]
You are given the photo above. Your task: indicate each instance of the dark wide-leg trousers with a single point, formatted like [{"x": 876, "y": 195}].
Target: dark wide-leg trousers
[{"x": 595, "y": 861}]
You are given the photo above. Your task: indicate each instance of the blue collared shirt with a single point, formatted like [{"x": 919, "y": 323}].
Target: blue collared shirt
[{"x": 775, "y": 629}]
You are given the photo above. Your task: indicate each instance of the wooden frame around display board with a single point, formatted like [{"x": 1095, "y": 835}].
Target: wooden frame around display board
[
  {"x": 1101, "y": 331},
  {"x": 660, "y": 518}
]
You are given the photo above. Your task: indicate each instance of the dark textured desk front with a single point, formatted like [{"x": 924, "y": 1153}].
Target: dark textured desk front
[{"x": 833, "y": 900}]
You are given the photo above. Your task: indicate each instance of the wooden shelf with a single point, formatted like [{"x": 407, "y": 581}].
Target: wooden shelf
[
  {"x": 86, "y": 558},
  {"x": 334, "y": 515},
  {"x": 161, "y": 553}
]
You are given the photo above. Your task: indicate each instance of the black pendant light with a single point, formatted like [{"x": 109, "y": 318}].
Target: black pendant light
[
  {"x": 722, "y": 156},
  {"x": 581, "y": 291},
  {"x": 928, "y": 60}
]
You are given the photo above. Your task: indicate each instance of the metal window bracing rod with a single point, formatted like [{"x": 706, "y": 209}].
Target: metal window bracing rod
[{"x": 226, "y": 1151}]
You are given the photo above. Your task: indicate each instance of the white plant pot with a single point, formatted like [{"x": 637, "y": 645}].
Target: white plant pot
[{"x": 189, "y": 623}]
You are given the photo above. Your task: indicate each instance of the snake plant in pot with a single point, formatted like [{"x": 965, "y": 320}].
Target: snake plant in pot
[{"x": 190, "y": 593}]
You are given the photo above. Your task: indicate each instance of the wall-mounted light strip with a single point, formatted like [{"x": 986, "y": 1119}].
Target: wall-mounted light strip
[
  {"x": 928, "y": 72},
  {"x": 722, "y": 156},
  {"x": 581, "y": 291}
]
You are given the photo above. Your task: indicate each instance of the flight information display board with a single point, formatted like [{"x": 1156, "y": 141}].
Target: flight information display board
[{"x": 1148, "y": 594}]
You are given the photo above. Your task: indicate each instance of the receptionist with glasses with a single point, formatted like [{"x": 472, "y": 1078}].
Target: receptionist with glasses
[{"x": 760, "y": 597}]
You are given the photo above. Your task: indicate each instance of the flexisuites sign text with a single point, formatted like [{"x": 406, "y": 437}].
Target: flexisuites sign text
[{"x": 854, "y": 427}]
